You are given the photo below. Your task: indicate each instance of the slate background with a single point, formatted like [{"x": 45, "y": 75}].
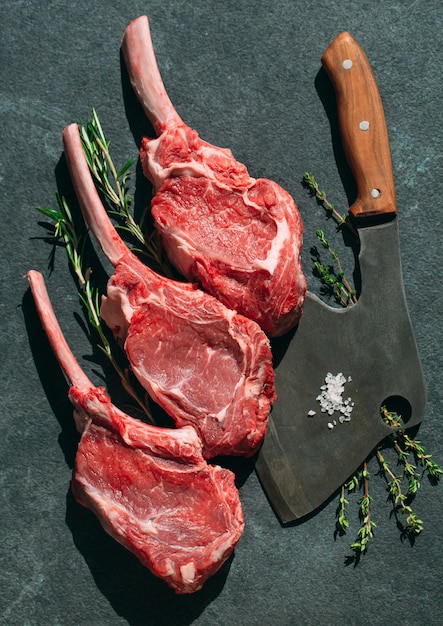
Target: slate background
[{"x": 246, "y": 75}]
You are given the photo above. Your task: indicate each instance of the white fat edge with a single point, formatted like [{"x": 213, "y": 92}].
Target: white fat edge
[
  {"x": 278, "y": 243},
  {"x": 149, "y": 527},
  {"x": 223, "y": 550},
  {"x": 116, "y": 310},
  {"x": 159, "y": 174},
  {"x": 97, "y": 408},
  {"x": 282, "y": 236},
  {"x": 209, "y": 149},
  {"x": 253, "y": 384},
  {"x": 81, "y": 419},
  {"x": 177, "y": 168},
  {"x": 188, "y": 573},
  {"x": 185, "y": 436}
]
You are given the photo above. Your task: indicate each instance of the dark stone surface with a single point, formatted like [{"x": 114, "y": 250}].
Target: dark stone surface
[{"x": 247, "y": 76}]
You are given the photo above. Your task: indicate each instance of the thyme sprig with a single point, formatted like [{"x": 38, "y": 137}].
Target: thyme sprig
[
  {"x": 360, "y": 480},
  {"x": 64, "y": 230},
  {"x": 365, "y": 532},
  {"x": 334, "y": 279},
  {"x": 425, "y": 460},
  {"x": 413, "y": 524},
  {"x": 403, "y": 439},
  {"x": 409, "y": 452},
  {"x": 343, "y": 292},
  {"x": 310, "y": 182},
  {"x": 342, "y": 511}
]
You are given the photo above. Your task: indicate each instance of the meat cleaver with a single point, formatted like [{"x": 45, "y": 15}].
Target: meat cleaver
[{"x": 307, "y": 454}]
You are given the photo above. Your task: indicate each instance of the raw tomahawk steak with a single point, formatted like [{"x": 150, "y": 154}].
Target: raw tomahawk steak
[
  {"x": 150, "y": 487},
  {"x": 238, "y": 236},
  {"x": 203, "y": 363}
]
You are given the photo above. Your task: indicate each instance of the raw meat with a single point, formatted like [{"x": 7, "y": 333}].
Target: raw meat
[
  {"x": 239, "y": 237},
  {"x": 203, "y": 363},
  {"x": 150, "y": 487}
]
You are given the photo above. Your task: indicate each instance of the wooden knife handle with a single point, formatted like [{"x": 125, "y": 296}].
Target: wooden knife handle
[{"x": 362, "y": 127}]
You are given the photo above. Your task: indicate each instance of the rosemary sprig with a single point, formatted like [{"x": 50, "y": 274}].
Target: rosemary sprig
[
  {"x": 89, "y": 295},
  {"x": 64, "y": 229},
  {"x": 112, "y": 183}
]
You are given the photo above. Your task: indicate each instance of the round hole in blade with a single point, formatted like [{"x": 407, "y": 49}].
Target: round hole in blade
[{"x": 398, "y": 408}]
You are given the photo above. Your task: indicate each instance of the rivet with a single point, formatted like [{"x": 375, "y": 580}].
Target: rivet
[
  {"x": 375, "y": 193},
  {"x": 347, "y": 64},
  {"x": 364, "y": 125}
]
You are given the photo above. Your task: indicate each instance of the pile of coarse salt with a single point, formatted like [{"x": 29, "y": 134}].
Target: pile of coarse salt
[{"x": 331, "y": 399}]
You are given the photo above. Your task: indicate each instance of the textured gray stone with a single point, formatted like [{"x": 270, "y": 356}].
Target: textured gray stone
[{"x": 247, "y": 76}]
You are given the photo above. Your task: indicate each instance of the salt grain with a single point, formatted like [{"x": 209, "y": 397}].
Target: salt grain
[{"x": 331, "y": 399}]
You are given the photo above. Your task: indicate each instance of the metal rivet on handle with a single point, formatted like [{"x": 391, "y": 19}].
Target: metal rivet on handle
[
  {"x": 347, "y": 64},
  {"x": 364, "y": 125},
  {"x": 375, "y": 193}
]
